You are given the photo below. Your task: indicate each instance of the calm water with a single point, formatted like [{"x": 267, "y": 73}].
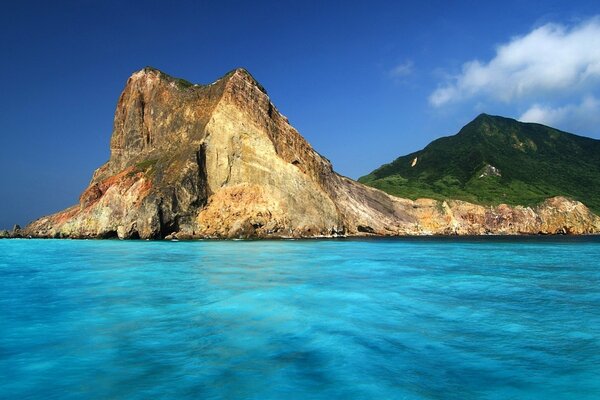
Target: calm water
[{"x": 382, "y": 319}]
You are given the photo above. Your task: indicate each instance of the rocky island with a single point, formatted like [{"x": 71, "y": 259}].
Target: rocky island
[{"x": 220, "y": 161}]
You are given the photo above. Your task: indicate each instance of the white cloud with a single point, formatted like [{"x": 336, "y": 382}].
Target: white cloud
[
  {"x": 584, "y": 116},
  {"x": 401, "y": 70},
  {"x": 543, "y": 114},
  {"x": 550, "y": 60}
]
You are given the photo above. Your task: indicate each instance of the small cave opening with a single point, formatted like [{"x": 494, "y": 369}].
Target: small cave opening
[
  {"x": 168, "y": 228},
  {"x": 109, "y": 235},
  {"x": 365, "y": 229}
]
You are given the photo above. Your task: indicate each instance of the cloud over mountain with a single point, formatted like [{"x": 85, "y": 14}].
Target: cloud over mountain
[
  {"x": 584, "y": 116},
  {"x": 551, "y": 60}
]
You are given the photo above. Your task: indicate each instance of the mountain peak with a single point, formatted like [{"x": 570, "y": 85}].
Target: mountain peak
[
  {"x": 491, "y": 125},
  {"x": 242, "y": 74},
  {"x": 151, "y": 71},
  {"x": 145, "y": 72},
  {"x": 483, "y": 117},
  {"x": 150, "y": 68},
  {"x": 536, "y": 162},
  {"x": 150, "y": 75}
]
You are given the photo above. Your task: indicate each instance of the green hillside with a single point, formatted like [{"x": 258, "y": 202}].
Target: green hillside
[{"x": 495, "y": 160}]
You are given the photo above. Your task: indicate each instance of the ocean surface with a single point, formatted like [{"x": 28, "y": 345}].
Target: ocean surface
[{"x": 316, "y": 319}]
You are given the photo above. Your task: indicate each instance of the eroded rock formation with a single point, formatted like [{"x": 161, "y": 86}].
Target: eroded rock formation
[{"x": 219, "y": 160}]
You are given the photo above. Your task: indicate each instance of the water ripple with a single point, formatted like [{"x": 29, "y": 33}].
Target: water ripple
[{"x": 352, "y": 319}]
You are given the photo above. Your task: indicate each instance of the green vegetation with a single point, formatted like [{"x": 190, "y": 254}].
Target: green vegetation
[
  {"x": 534, "y": 162},
  {"x": 147, "y": 166},
  {"x": 182, "y": 83}
]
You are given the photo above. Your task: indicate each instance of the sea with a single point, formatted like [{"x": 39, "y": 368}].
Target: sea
[{"x": 412, "y": 318}]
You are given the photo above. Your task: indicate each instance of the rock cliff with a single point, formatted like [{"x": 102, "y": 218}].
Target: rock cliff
[{"x": 219, "y": 160}]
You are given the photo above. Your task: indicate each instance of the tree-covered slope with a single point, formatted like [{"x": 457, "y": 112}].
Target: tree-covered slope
[{"x": 496, "y": 160}]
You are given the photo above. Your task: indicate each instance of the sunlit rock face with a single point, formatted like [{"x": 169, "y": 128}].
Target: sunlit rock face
[{"x": 219, "y": 160}]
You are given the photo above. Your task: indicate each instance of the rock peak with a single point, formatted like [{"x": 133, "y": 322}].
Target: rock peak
[
  {"x": 243, "y": 75},
  {"x": 149, "y": 73},
  {"x": 148, "y": 70},
  {"x": 151, "y": 76}
]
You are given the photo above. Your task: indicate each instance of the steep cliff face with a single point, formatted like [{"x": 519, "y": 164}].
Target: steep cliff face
[{"x": 219, "y": 160}]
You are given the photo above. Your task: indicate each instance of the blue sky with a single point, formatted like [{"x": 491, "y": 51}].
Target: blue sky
[{"x": 364, "y": 82}]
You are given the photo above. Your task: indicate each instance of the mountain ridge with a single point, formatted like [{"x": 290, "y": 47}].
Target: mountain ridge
[{"x": 532, "y": 162}]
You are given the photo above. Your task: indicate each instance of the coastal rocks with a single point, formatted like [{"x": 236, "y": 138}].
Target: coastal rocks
[
  {"x": 16, "y": 231},
  {"x": 219, "y": 161},
  {"x": 557, "y": 215}
]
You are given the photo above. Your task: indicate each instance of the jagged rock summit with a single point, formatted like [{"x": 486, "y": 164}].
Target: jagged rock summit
[{"x": 219, "y": 160}]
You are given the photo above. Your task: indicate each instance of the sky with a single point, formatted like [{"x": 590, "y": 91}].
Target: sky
[{"x": 363, "y": 82}]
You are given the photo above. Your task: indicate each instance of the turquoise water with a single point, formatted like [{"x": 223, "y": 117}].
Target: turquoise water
[{"x": 379, "y": 319}]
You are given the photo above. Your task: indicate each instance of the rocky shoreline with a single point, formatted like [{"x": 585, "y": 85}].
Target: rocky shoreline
[
  {"x": 7, "y": 235},
  {"x": 15, "y": 233},
  {"x": 556, "y": 216}
]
